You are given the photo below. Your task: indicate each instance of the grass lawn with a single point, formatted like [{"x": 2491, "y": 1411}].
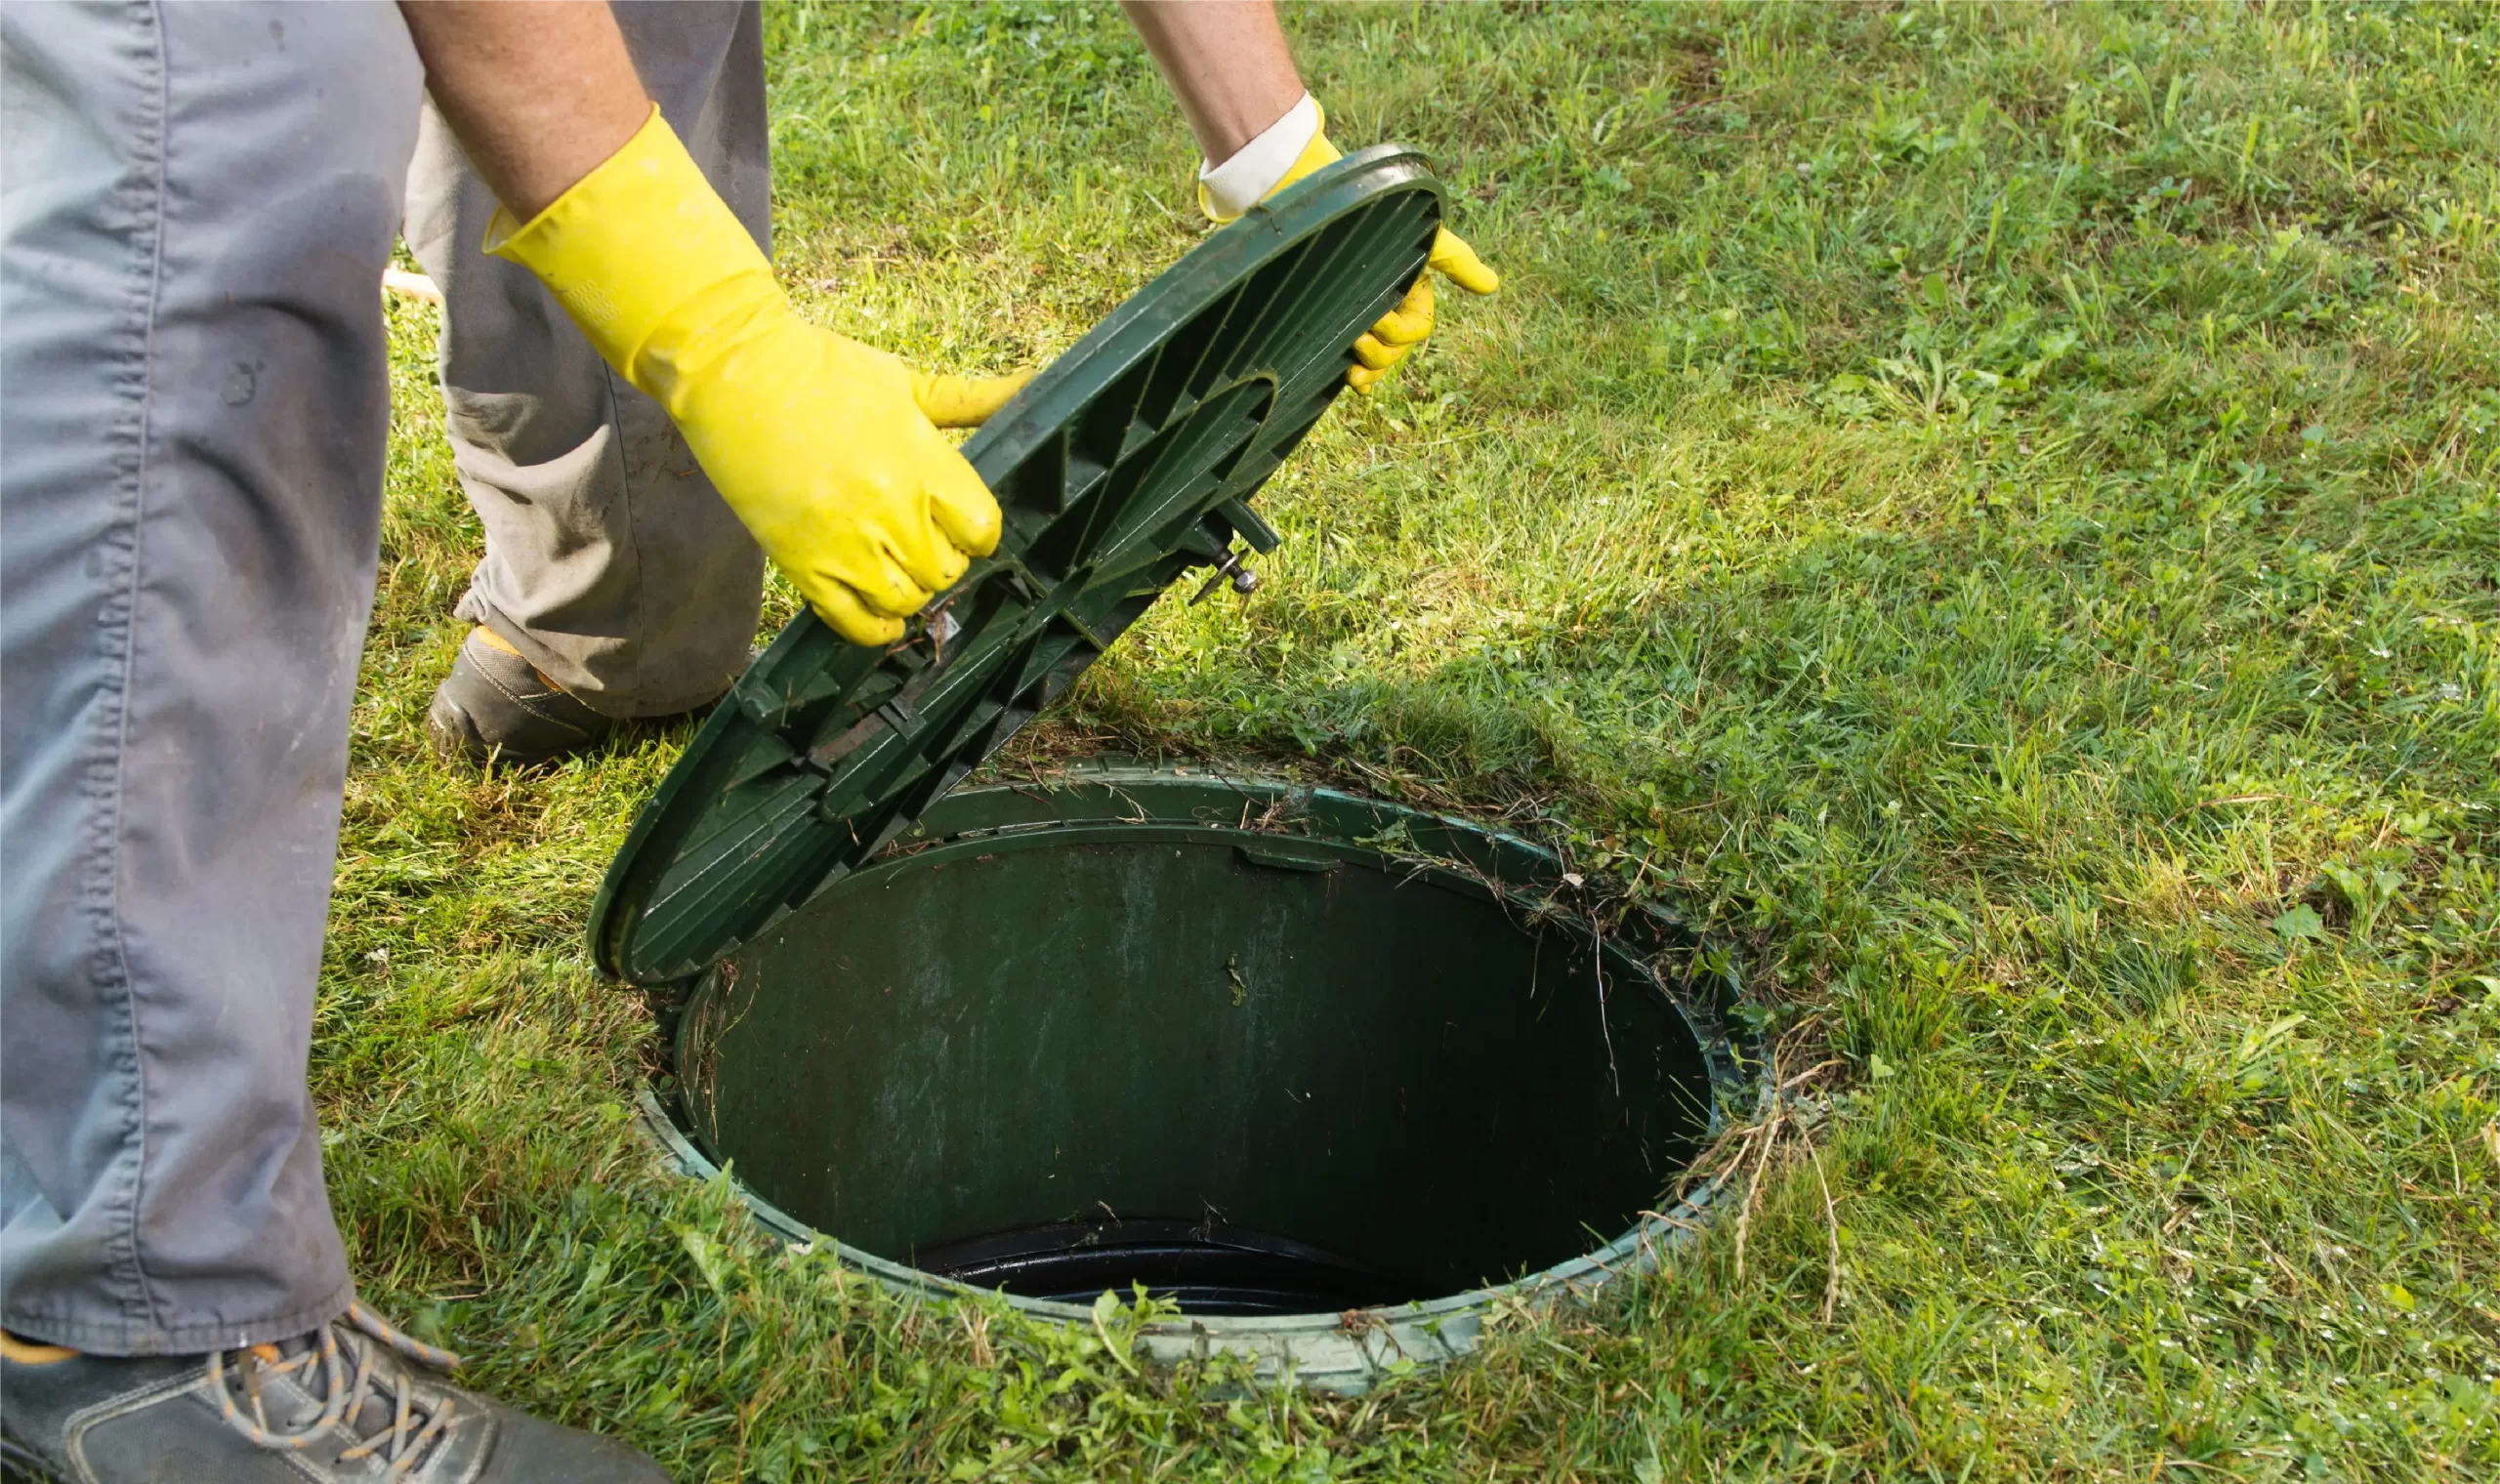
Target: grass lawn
[{"x": 1994, "y": 510}]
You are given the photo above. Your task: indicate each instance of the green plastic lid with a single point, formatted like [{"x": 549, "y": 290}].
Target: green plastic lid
[{"x": 1128, "y": 462}]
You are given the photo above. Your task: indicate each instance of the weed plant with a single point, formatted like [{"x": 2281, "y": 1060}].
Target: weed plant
[{"x": 1996, "y": 510}]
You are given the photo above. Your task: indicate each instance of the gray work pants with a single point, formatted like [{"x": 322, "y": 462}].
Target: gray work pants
[
  {"x": 196, "y": 203},
  {"x": 611, "y": 564}
]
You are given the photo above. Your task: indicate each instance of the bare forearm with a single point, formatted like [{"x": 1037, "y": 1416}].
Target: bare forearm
[
  {"x": 1226, "y": 63},
  {"x": 539, "y": 95}
]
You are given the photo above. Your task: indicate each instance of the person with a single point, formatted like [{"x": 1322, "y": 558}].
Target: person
[
  {"x": 197, "y": 204},
  {"x": 616, "y": 586}
]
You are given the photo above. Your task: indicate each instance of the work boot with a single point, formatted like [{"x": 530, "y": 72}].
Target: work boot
[
  {"x": 494, "y": 706},
  {"x": 353, "y": 1400}
]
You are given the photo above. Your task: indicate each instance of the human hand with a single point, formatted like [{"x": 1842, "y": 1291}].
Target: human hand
[
  {"x": 827, "y": 449},
  {"x": 830, "y": 451},
  {"x": 1397, "y": 334}
]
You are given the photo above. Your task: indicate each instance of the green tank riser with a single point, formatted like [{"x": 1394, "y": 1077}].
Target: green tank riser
[
  {"x": 1204, "y": 1008},
  {"x": 1378, "y": 1031}
]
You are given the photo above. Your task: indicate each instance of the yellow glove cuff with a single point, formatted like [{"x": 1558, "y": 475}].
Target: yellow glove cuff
[
  {"x": 647, "y": 258},
  {"x": 1317, "y": 153}
]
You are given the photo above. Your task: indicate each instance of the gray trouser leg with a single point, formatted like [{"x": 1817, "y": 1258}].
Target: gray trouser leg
[
  {"x": 196, "y": 203},
  {"x": 611, "y": 564}
]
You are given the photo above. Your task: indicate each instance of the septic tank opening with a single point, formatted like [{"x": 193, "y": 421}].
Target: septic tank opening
[{"x": 1068, "y": 1040}]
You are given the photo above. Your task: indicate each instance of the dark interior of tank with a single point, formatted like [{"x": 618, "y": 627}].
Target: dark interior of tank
[{"x": 1254, "y": 1080}]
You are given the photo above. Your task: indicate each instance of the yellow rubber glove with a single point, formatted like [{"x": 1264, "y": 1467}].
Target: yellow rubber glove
[
  {"x": 1398, "y": 332},
  {"x": 826, "y": 449}
]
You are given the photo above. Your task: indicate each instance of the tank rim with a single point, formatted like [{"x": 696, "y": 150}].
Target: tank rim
[{"x": 1346, "y": 1353}]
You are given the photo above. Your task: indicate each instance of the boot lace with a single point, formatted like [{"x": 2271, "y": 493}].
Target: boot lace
[{"x": 344, "y": 1387}]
